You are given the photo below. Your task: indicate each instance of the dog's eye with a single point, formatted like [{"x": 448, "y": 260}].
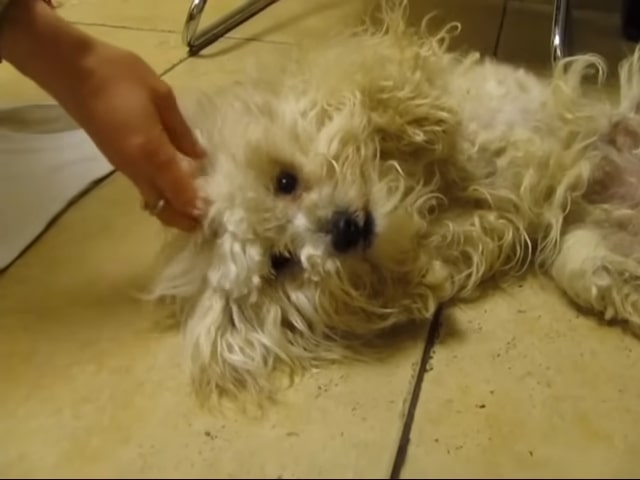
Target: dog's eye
[
  {"x": 279, "y": 261},
  {"x": 286, "y": 183}
]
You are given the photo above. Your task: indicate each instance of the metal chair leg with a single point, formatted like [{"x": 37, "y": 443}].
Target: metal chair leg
[
  {"x": 559, "y": 43},
  {"x": 197, "y": 40}
]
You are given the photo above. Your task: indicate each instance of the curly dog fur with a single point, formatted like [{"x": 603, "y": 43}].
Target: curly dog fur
[{"x": 365, "y": 182}]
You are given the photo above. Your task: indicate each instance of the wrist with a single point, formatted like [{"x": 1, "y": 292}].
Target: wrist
[{"x": 43, "y": 46}]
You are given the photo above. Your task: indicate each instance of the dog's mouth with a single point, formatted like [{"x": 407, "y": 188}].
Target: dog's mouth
[{"x": 280, "y": 262}]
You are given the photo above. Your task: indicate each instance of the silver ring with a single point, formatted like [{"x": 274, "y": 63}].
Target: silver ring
[{"x": 156, "y": 208}]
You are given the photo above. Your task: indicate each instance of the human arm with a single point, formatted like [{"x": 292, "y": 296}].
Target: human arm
[{"x": 130, "y": 113}]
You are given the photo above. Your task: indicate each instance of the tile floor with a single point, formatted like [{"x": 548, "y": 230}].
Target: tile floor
[{"x": 517, "y": 384}]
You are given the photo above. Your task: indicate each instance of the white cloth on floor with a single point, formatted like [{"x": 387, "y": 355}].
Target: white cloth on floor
[{"x": 46, "y": 162}]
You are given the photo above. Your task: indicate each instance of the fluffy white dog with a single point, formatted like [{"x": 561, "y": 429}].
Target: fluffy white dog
[{"x": 382, "y": 174}]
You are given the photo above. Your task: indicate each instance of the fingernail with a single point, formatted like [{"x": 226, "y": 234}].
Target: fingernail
[
  {"x": 200, "y": 208},
  {"x": 200, "y": 141}
]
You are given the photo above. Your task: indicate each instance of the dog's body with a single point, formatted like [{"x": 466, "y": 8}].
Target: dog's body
[{"x": 383, "y": 175}]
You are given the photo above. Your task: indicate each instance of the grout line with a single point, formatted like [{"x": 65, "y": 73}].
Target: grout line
[
  {"x": 124, "y": 27},
  {"x": 177, "y": 32},
  {"x": 503, "y": 16},
  {"x": 405, "y": 437},
  {"x": 175, "y": 65},
  {"x": 172, "y": 67},
  {"x": 260, "y": 40}
]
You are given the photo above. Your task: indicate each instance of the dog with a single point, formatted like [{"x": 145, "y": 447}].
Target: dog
[{"x": 362, "y": 184}]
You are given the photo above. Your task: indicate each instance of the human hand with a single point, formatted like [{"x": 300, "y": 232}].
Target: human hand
[
  {"x": 125, "y": 107},
  {"x": 132, "y": 116}
]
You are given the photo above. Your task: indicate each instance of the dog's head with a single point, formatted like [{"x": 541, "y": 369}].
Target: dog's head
[{"x": 319, "y": 200}]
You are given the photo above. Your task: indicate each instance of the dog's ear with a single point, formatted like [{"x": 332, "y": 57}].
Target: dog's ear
[
  {"x": 232, "y": 324},
  {"x": 399, "y": 120},
  {"x": 235, "y": 346},
  {"x": 405, "y": 89},
  {"x": 181, "y": 268},
  {"x": 408, "y": 116},
  {"x": 396, "y": 89}
]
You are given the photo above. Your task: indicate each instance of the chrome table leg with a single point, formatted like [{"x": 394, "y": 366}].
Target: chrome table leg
[
  {"x": 559, "y": 48},
  {"x": 197, "y": 40}
]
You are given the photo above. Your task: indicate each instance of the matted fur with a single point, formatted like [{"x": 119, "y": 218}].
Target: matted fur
[{"x": 471, "y": 169}]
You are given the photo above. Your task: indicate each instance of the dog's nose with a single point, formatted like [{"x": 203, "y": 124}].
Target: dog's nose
[{"x": 347, "y": 232}]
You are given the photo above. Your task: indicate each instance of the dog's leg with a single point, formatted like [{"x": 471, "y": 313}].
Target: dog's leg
[
  {"x": 473, "y": 248},
  {"x": 599, "y": 269},
  {"x": 598, "y": 264}
]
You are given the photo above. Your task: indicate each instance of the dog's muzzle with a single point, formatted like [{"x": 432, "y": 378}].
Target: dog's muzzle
[{"x": 349, "y": 231}]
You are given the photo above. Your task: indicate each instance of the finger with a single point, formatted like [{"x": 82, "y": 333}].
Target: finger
[
  {"x": 166, "y": 213},
  {"x": 172, "y": 180},
  {"x": 177, "y": 128},
  {"x": 173, "y": 218}
]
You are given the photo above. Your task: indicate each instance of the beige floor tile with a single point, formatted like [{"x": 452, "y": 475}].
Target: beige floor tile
[
  {"x": 141, "y": 14},
  {"x": 15, "y": 89},
  {"x": 294, "y": 21},
  {"x": 522, "y": 386},
  {"x": 291, "y": 21},
  {"x": 91, "y": 387},
  {"x": 226, "y": 60},
  {"x": 161, "y": 50},
  {"x": 286, "y": 20},
  {"x": 526, "y": 35}
]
